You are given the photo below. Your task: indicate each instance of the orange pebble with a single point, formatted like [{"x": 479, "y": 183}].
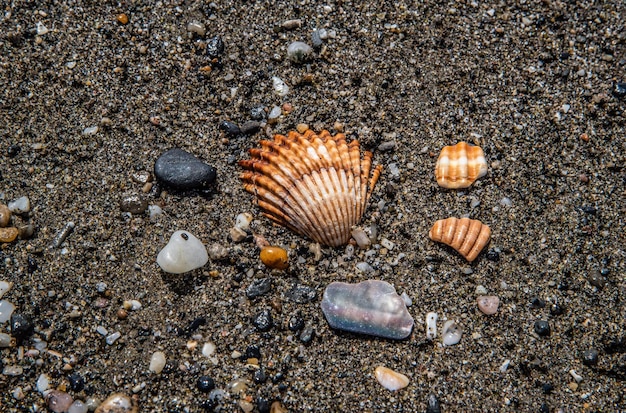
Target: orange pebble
[
  {"x": 9, "y": 235},
  {"x": 122, "y": 18},
  {"x": 584, "y": 137},
  {"x": 275, "y": 258}
]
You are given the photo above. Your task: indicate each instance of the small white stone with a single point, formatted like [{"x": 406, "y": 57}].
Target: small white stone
[
  {"x": 183, "y": 253},
  {"x": 274, "y": 113},
  {"x": 279, "y": 86},
  {"x": 43, "y": 383},
  {"x": 20, "y": 205},
  {"x": 431, "y": 326},
  {"x": 18, "y": 393},
  {"x": 41, "y": 29},
  {"x": 208, "y": 349},
  {"x": 505, "y": 366},
  {"x": 6, "y": 310},
  {"x": 197, "y": 28},
  {"x": 480, "y": 290},
  {"x": 90, "y": 130},
  {"x": 110, "y": 340},
  {"x": 391, "y": 380},
  {"x": 387, "y": 244},
  {"x": 361, "y": 238},
  {"x": 451, "y": 333},
  {"x": 157, "y": 362},
  {"x": 155, "y": 211},
  {"x": 298, "y": 52},
  {"x": 407, "y": 300},
  {"x": 78, "y": 407},
  {"x": 4, "y": 287},
  {"x": 576, "y": 376},
  {"x": 243, "y": 221}
]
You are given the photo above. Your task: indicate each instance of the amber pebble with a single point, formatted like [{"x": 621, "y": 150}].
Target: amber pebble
[
  {"x": 8, "y": 234},
  {"x": 391, "y": 380},
  {"x": 275, "y": 258},
  {"x": 5, "y": 215},
  {"x": 277, "y": 407},
  {"x": 122, "y": 18}
]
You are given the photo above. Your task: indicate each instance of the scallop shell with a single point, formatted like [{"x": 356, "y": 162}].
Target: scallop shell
[
  {"x": 460, "y": 165},
  {"x": 317, "y": 185},
  {"x": 467, "y": 236}
]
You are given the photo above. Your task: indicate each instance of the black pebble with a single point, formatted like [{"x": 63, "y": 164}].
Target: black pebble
[
  {"x": 542, "y": 328},
  {"x": 433, "y": 404},
  {"x": 547, "y": 388},
  {"x": 263, "y": 320},
  {"x": 21, "y": 326},
  {"x": 182, "y": 170},
  {"x": 214, "y": 47},
  {"x": 263, "y": 405},
  {"x": 195, "y": 324},
  {"x": 307, "y": 334},
  {"x": 13, "y": 150},
  {"x": 590, "y": 357},
  {"x": 589, "y": 210},
  {"x": 301, "y": 294},
  {"x": 537, "y": 302},
  {"x": 205, "y": 384},
  {"x": 493, "y": 255},
  {"x": 619, "y": 89},
  {"x": 31, "y": 265},
  {"x": 230, "y": 128},
  {"x": 544, "y": 408},
  {"x": 250, "y": 127},
  {"x": 257, "y": 113},
  {"x": 556, "y": 309},
  {"x": 259, "y": 376},
  {"x": 259, "y": 287},
  {"x": 278, "y": 377},
  {"x": 296, "y": 323},
  {"x": 252, "y": 351},
  {"x": 77, "y": 382},
  {"x": 596, "y": 279}
]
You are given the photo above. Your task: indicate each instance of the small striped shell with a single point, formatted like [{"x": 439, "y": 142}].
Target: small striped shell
[
  {"x": 460, "y": 165},
  {"x": 317, "y": 185},
  {"x": 467, "y": 236}
]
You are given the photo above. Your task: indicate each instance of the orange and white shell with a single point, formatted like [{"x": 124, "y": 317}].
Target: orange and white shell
[
  {"x": 317, "y": 185},
  {"x": 467, "y": 236},
  {"x": 460, "y": 165}
]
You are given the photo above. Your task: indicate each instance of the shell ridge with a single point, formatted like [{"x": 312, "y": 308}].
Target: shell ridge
[
  {"x": 329, "y": 214},
  {"x": 334, "y": 196}
]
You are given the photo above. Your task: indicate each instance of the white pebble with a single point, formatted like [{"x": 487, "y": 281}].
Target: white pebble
[
  {"x": 78, "y": 407},
  {"x": 394, "y": 170},
  {"x": 43, "y": 383},
  {"x": 243, "y": 221},
  {"x": 41, "y": 29},
  {"x": 113, "y": 338},
  {"x": 183, "y": 253},
  {"x": 6, "y": 310},
  {"x": 157, "y": 362},
  {"x": 361, "y": 238},
  {"x": 364, "y": 267},
  {"x": 4, "y": 287},
  {"x": 506, "y": 202},
  {"x": 18, "y": 393},
  {"x": 387, "y": 244},
  {"x": 431, "y": 326},
  {"x": 407, "y": 300},
  {"x": 274, "y": 113},
  {"x": 451, "y": 333},
  {"x": 208, "y": 349},
  {"x": 279, "y": 86},
  {"x": 505, "y": 366},
  {"x": 298, "y": 52},
  {"x": 480, "y": 290},
  {"x": 155, "y": 211},
  {"x": 92, "y": 130},
  {"x": 12, "y": 371},
  {"x": 197, "y": 28},
  {"x": 20, "y": 205},
  {"x": 102, "y": 330},
  {"x": 391, "y": 380},
  {"x": 576, "y": 376}
]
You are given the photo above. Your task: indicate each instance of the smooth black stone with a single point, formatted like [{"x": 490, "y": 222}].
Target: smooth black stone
[
  {"x": 537, "y": 302},
  {"x": 214, "y": 47},
  {"x": 21, "y": 326},
  {"x": 205, "y": 384},
  {"x": 250, "y": 127},
  {"x": 259, "y": 287},
  {"x": 590, "y": 357},
  {"x": 257, "y": 113},
  {"x": 77, "y": 382},
  {"x": 493, "y": 255},
  {"x": 589, "y": 210},
  {"x": 182, "y": 170},
  {"x": 301, "y": 294},
  {"x": 31, "y": 265},
  {"x": 259, "y": 376},
  {"x": 195, "y": 324},
  {"x": 433, "y": 404},
  {"x": 596, "y": 279},
  {"x": 230, "y": 128},
  {"x": 263, "y": 320},
  {"x": 13, "y": 150},
  {"x": 542, "y": 328},
  {"x": 295, "y": 323},
  {"x": 252, "y": 351},
  {"x": 556, "y": 309},
  {"x": 263, "y": 405},
  {"x": 547, "y": 388},
  {"x": 544, "y": 408},
  {"x": 307, "y": 335},
  {"x": 278, "y": 377},
  {"x": 619, "y": 89}
]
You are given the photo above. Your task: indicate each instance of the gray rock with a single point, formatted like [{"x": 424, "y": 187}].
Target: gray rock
[{"x": 182, "y": 170}]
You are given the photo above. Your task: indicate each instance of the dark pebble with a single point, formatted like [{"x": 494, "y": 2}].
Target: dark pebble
[
  {"x": 259, "y": 376},
  {"x": 605, "y": 271},
  {"x": 205, "y": 384},
  {"x": 307, "y": 335},
  {"x": 493, "y": 255},
  {"x": 590, "y": 357},
  {"x": 182, "y": 170},
  {"x": 542, "y": 328},
  {"x": 556, "y": 309},
  {"x": 263, "y": 405},
  {"x": 301, "y": 294},
  {"x": 21, "y": 326},
  {"x": 544, "y": 408},
  {"x": 214, "y": 47},
  {"x": 77, "y": 382},
  {"x": 619, "y": 89},
  {"x": 135, "y": 204},
  {"x": 31, "y": 265},
  {"x": 257, "y": 113},
  {"x": 316, "y": 39},
  {"x": 263, "y": 320},
  {"x": 547, "y": 388},
  {"x": 278, "y": 377},
  {"x": 195, "y": 324},
  {"x": 230, "y": 128},
  {"x": 433, "y": 404},
  {"x": 296, "y": 323},
  {"x": 537, "y": 302},
  {"x": 596, "y": 279},
  {"x": 252, "y": 351},
  {"x": 589, "y": 210},
  {"x": 251, "y": 127},
  {"x": 13, "y": 150},
  {"x": 259, "y": 287}
]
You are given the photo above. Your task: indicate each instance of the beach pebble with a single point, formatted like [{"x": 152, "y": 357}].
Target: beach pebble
[
  {"x": 205, "y": 384},
  {"x": 58, "y": 401},
  {"x": 298, "y": 52},
  {"x": 258, "y": 288},
  {"x": 370, "y": 307},
  {"x": 183, "y": 253},
  {"x": 5, "y": 215},
  {"x": 301, "y": 294},
  {"x": 237, "y": 234},
  {"x": 251, "y": 127},
  {"x": 263, "y": 320},
  {"x": 6, "y": 310},
  {"x": 20, "y": 205},
  {"x": 197, "y": 28},
  {"x": 43, "y": 383},
  {"x": 542, "y": 328},
  {"x": 157, "y": 362},
  {"x": 135, "y": 204},
  {"x": 182, "y": 170},
  {"x": 21, "y": 326},
  {"x": 390, "y": 379},
  {"x": 78, "y": 407},
  {"x": 274, "y": 257},
  {"x": 8, "y": 234},
  {"x": 243, "y": 221},
  {"x": 292, "y": 24},
  {"x": 361, "y": 238},
  {"x": 590, "y": 357},
  {"x": 217, "y": 252},
  {"x": 431, "y": 326},
  {"x": 432, "y": 405},
  {"x": 118, "y": 403},
  {"x": 451, "y": 333},
  {"x": 280, "y": 87},
  {"x": 208, "y": 349},
  {"x": 230, "y": 128},
  {"x": 214, "y": 47},
  {"x": 4, "y": 287},
  {"x": 488, "y": 304}
]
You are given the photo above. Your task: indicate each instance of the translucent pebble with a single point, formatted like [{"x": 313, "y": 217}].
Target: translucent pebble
[
  {"x": 183, "y": 253},
  {"x": 41, "y": 29},
  {"x": 6, "y": 310},
  {"x": 488, "y": 304},
  {"x": 154, "y": 211},
  {"x": 505, "y": 365},
  {"x": 298, "y": 52},
  {"x": 431, "y": 326},
  {"x": 197, "y": 28},
  {"x": 370, "y": 307},
  {"x": 243, "y": 221},
  {"x": 506, "y": 202},
  {"x": 78, "y": 407},
  {"x": 157, "y": 362},
  {"x": 113, "y": 338},
  {"x": 208, "y": 349},
  {"x": 58, "y": 401},
  {"x": 387, "y": 244},
  {"x": 18, "y": 393},
  {"x": 274, "y": 113},
  {"x": 394, "y": 170},
  {"x": 4, "y": 287},
  {"x": 279, "y": 86},
  {"x": 451, "y": 333},
  {"x": 361, "y": 238},
  {"x": 364, "y": 267},
  {"x": 117, "y": 403},
  {"x": 390, "y": 379},
  {"x": 407, "y": 300},
  {"x": 43, "y": 383},
  {"x": 480, "y": 290},
  {"x": 20, "y": 205},
  {"x": 245, "y": 406}
]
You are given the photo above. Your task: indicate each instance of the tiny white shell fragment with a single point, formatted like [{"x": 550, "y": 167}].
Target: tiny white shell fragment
[
  {"x": 576, "y": 376},
  {"x": 431, "y": 326},
  {"x": 279, "y": 86},
  {"x": 157, "y": 362},
  {"x": 92, "y": 130},
  {"x": 243, "y": 221},
  {"x": 208, "y": 349},
  {"x": 391, "y": 380},
  {"x": 451, "y": 333},
  {"x": 183, "y": 253}
]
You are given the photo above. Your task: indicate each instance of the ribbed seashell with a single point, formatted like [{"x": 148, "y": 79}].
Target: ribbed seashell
[
  {"x": 467, "y": 236},
  {"x": 317, "y": 185},
  {"x": 460, "y": 165}
]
